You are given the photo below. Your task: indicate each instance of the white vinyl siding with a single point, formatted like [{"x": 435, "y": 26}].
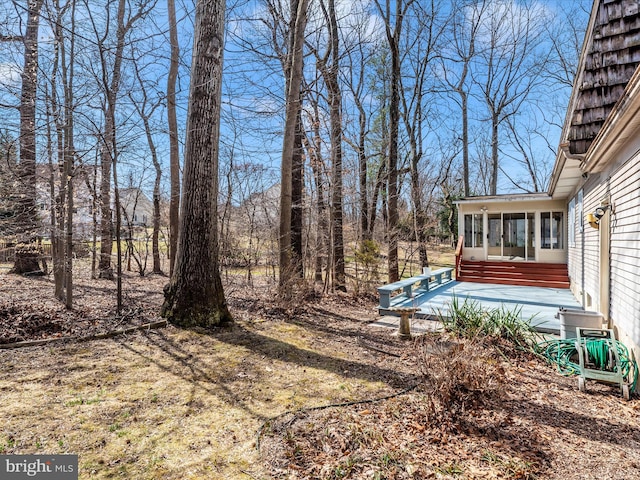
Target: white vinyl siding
[
  {"x": 625, "y": 248},
  {"x": 574, "y": 253},
  {"x": 591, "y": 260}
]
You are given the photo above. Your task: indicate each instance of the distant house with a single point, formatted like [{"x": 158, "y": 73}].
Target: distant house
[
  {"x": 83, "y": 199},
  {"x": 589, "y": 220},
  {"x": 137, "y": 209}
]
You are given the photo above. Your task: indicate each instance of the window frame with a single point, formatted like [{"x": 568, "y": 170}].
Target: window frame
[
  {"x": 476, "y": 221},
  {"x": 571, "y": 233},
  {"x": 553, "y": 230}
]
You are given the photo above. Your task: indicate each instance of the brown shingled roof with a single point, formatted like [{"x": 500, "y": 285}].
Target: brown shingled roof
[{"x": 611, "y": 60}]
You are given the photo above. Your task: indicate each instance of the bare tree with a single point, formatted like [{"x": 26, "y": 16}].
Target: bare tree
[
  {"x": 292, "y": 122},
  {"x": 508, "y": 65},
  {"x": 145, "y": 109},
  {"x": 393, "y": 23},
  {"x": 174, "y": 152},
  {"x": 420, "y": 53},
  {"x": 329, "y": 66},
  {"x": 379, "y": 138},
  {"x": 111, "y": 60},
  {"x": 526, "y": 140},
  {"x": 194, "y": 296},
  {"x": 313, "y": 143},
  {"x": 356, "y": 82},
  {"x": 456, "y": 63},
  {"x": 26, "y": 262},
  {"x": 63, "y": 116}
]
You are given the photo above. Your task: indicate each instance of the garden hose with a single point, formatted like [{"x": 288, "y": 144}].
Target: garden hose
[{"x": 599, "y": 353}]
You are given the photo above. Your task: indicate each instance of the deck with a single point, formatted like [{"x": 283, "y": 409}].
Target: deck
[{"x": 540, "y": 304}]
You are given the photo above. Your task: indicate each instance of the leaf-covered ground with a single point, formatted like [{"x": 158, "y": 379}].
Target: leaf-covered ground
[{"x": 249, "y": 401}]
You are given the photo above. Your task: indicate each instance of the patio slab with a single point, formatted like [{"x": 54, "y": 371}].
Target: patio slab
[{"x": 537, "y": 304}]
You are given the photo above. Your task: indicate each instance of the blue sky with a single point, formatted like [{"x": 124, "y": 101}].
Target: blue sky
[{"x": 253, "y": 106}]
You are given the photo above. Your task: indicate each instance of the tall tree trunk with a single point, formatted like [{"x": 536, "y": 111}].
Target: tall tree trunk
[
  {"x": 373, "y": 208},
  {"x": 118, "y": 232},
  {"x": 93, "y": 188},
  {"x": 493, "y": 182},
  {"x": 108, "y": 151},
  {"x": 194, "y": 296},
  {"x": 109, "y": 146},
  {"x": 27, "y": 215},
  {"x": 317, "y": 167},
  {"x": 335, "y": 105},
  {"x": 392, "y": 170},
  {"x": 413, "y": 118},
  {"x": 465, "y": 141},
  {"x": 174, "y": 153},
  {"x": 155, "y": 235},
  {"x": 155, "y": 238},
  {"x": 145, "y": 113},
  {"x": 289, "y": 143},
  {"x": 58, "y": 202},
  {"x": 419, "y": 215},
  {"x": 297, "y": 187},
  {"x": 68, "y": 250},
  {"x": 55, "y": 207},
  {"x": 393, "y": 27},
  {"x": 69, "y": 152},
  {"x": 362, "y": 173}
]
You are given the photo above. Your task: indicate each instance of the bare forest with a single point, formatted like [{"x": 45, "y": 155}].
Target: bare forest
[
  {"x": 199, "y": 199},
  {"x": 345, "y": 130}
]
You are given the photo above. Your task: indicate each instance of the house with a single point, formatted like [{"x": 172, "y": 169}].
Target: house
[
  {"x": 137, "y": 208},
  {"x": 588, "y": 223},
  {"x": 83, "y": 203}
]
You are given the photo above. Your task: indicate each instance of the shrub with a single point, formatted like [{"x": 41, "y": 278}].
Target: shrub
[
  {"x": 458, "y": 375},
  {"x": 470, "y": 320}
]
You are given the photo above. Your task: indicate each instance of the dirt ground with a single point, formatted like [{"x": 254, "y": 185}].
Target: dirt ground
[{"x": 309, "y": 392}]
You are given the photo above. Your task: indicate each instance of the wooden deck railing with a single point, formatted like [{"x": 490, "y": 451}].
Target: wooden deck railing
[{"x": 459, "y": 248}]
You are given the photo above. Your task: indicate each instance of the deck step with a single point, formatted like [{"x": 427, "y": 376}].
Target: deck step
[{"x": 550, "y": 275}]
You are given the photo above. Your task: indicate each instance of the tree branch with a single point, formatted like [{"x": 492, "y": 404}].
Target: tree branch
[{"x": 11, "y": 38}]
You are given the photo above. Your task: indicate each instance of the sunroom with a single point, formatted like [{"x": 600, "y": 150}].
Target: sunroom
[{"x": 518, "y": 228}]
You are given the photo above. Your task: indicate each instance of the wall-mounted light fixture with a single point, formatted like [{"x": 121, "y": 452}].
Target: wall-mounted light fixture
[
  {"x": 483, "y": 209},
  {"x": 598, "y": 213}
]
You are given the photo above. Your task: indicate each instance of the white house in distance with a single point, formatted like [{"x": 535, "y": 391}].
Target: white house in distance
[
  {"x": 585, "y": 231},
  {"x": 137, "y": 208}
]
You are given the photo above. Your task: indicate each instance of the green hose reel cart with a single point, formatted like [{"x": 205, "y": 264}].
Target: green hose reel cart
[{"x": 600, "y": 359}]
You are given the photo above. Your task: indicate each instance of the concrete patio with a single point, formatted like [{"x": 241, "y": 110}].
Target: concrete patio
[{"x": 537, "y": 305}]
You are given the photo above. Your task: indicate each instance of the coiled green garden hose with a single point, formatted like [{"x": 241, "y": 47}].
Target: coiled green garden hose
[{"x": 560, "y": 352}]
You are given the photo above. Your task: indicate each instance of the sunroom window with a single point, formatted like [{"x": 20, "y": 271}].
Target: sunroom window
[
  {"x": 552, "y": 230},
  {"x": 473, "y": 232}
]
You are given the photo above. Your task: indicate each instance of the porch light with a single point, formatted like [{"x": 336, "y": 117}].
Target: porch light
[
  {"x": 600, "y": 211},
  {"x": 594, "y": 218}
]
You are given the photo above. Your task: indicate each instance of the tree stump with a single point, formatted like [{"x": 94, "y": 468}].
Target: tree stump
[{"x": 27, "y": 260}]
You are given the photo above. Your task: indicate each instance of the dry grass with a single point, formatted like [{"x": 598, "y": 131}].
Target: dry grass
[
  {"x": 172, "y": 404},
  {"x": 168, "y": 403},
  {"x": 175, "y": 404}
]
